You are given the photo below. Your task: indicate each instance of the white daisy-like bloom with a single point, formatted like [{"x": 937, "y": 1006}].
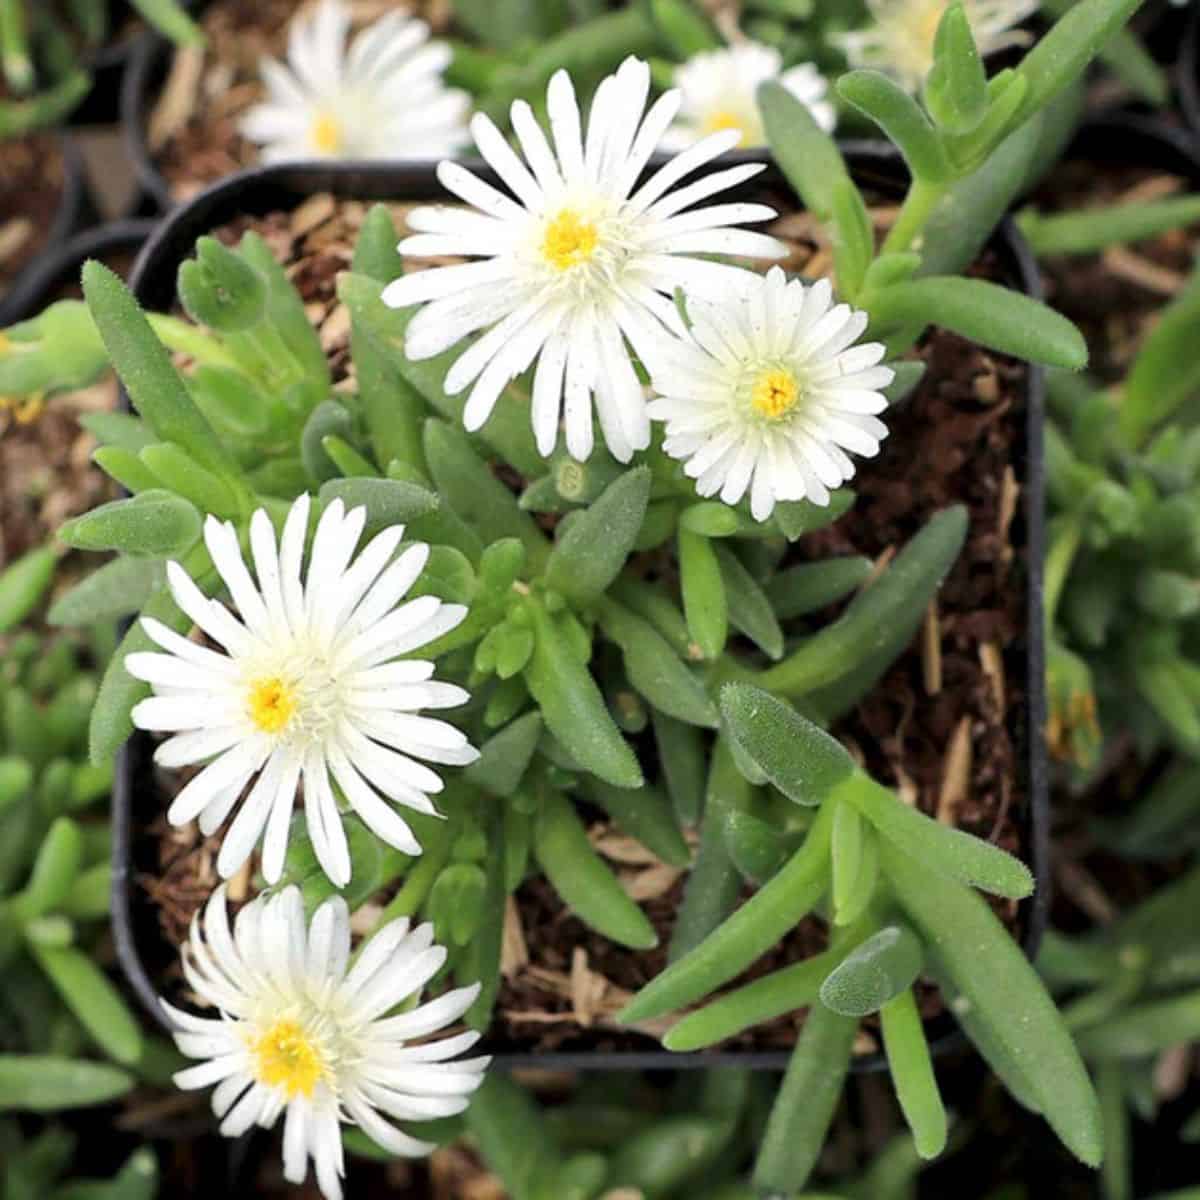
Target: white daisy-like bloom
[
  {"x": 383, "y": 97},
  {"x": 310, "y": 689},
  {"x": 304, "y": 1033},
  {"x": 581, "y": 266},
  {"x": 720, "y": 89},
  {"x": 900, "y": 42},
  {"x": 769, "y": 391}
]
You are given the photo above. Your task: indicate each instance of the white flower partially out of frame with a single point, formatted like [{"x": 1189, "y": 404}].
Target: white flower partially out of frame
[
  {"x": 304, "y": 1033},
  {"x": 900, "y": 42},
  {"x": 581, "y": 266},
  {"x": 768, "y": 391},
  {"x": 719, "y": 89},
  {"x": 382, "y": 98},
  {"x": 307, "y": 690}
]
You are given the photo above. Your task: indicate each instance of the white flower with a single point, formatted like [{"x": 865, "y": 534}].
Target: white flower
[
  {"x": 381, "y": 98},
  {"x": 307, "y": 689},
  {"x": 768, "y": 393},
  {"x": 301, "y": 1035},
  {"x": 582, "y": 262},
  {"x": 720, "y": 89},
  {"x": 900, "y": 43}
]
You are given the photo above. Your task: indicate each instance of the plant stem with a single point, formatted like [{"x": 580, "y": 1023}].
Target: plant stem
[
  {"x": 923, "y": 197},
  {"x": 1065, "y": 536},
  {"x": 185, "y": 337}
]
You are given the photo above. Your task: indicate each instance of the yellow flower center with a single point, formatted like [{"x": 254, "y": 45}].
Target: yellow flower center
[
  {"x": 326, "y": 134},
  {"x": 722, "y": 119},
  {"x": 285, "y": 1057},
  {"x": 569, "y": 240},
  {"x": 25, "y": 409},
  {"x": 775, "y": 393},
  {"x": 272, "y": 704}
]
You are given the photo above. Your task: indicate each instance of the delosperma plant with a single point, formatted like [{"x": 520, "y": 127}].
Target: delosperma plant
[{"x": 564, "y": 473}]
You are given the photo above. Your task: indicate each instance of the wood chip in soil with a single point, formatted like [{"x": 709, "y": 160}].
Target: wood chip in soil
[{"x": 32, "y": 177}]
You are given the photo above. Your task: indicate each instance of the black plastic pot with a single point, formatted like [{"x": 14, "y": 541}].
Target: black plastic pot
[
  {"x": 102, "y": 104},
  {"x": 1123, "y": 138},
  {"x": 75, "y": 211},
  {"x": 61, "y": 265},
  {"x": 1188, "y": 76},
  {"x": 145, "y": 72},
  {"x": 272, "y": 188}
]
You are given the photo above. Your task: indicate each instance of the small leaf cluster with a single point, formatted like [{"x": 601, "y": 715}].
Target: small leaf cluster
[
  {"x": 1123, "y": 563},
  {"x": 68, "y": 1039},
  {"x": 897, "y": 890},
  {"x": 1131, "y": 991},
  {"x": 694, "y": 1139}
]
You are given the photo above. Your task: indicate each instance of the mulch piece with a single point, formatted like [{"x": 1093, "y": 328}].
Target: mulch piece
[
  {"x": 944, "y": 726},
  {"x": 32, "y": 179}
]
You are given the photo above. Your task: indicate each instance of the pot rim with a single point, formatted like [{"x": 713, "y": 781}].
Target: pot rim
[
  {"x": 73, "y": 212},
  {"x": 52, "y": 268},
  {"x": 273, "y": 186}
]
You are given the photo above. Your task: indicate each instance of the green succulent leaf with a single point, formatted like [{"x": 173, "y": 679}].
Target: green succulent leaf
[
  {"x": 154, "y": 524},
  {"x": 874, "y": 973},
  {"x": 588, "y": 557},
  {"x": 44, "y": 1083}
]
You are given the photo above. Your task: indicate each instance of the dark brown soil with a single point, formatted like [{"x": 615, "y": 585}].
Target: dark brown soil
[
  {"x": 193, "y": 132},
  {"x": 1114, "y": 296},
  {"x": 943, "y": 727},
  {"x": 46, "y": 471},
  {"x": 32, "y": 177}
]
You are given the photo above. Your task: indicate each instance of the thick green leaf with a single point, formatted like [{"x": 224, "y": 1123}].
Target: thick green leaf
[
  {"x": 154, "y": 524},
  {"x": 881, "y": 99},
  {"x": 387, "y": 501},
  {"x": 987, "y": 313},
  {"x": 505, "y": 756},
  {"x": 645, "y": 814},
  {"x": 938, "y": 847},
  {"x": 803, "y": 1110},
  {"x": 801, "y": 760},
  {"x": 1061, "y": 55},
  {"x": 774, "y": 995},
  {"x": 22, "y": 585},
  {"x": 879, "y": 621},
  {"x": 588, "y": 557},
  {"x": 750, "y": 609},
  {"x": 874, "y": 972},
  {"x": 465, "y": 484},
  {"x": 807, "y": 155},
  {"x": 43, "y": 1083},
  {"x": 705, "y": 604},
  {"x": 114, "y": 590},
  {"x": 1165, "y": 372},
  {"x": 912, "y": 1073},
  {"x": 98, "y": 1006},
  {"x": 574, "y": 709},
  {"x": 583, "y": 880},
  {"x": 1001, "y": 989},
  {"x": 654, "y": 669},
  {"x": 749, "y": 933},
  {"x": 155, "y": 387}
]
